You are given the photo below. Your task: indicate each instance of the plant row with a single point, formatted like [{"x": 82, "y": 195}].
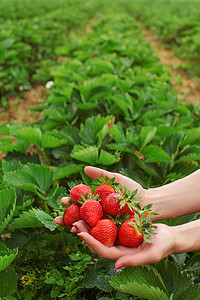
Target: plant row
[
  {"x": 27, "y": 48},
  {"x": 111, "y": 105},
  {"x": 178, "y": 28}
]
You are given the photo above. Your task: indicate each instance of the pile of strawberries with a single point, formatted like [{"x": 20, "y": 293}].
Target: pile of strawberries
[{"x": 112, "y": 212}]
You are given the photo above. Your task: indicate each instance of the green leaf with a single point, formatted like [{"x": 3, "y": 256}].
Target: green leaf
[
  {"x": 12, "y": 165},
  {"x": 21, "y": 179},
  {"x": 67, "y": 169},
  {"x": 30, "y": 135},
  {"x": 102, "y": 283},
  {"x": 34, "y": 178},
  {"x": 191, "y": 136},
  {"x": 7, "y": 207},
  {"x": 146, "y": 135},
  {"x": 8, "y": 283},
  {"x": 46, "y": 219},
  {"x": 6, "y": 258},
  {"x": 43, "y": 175},
  {"x": 154, "y": 153},
  {"x": 27, "y": 219},
  {"x": 88, "y": 155},
  {"x": 177, "y": 283},
  {"x": 144, "y": 282},
  {"x": 107, "y": 159},
  {"x": 49, "y": 141}
]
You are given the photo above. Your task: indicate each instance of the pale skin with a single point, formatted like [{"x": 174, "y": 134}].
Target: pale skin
[{"x": 172, "y": 200}]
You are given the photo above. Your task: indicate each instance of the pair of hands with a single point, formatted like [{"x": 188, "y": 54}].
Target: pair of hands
[{"x": 146, "y": 253}]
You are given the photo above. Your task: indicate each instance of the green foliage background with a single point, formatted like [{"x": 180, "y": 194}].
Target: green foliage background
[{"x": 112, "y": 106}]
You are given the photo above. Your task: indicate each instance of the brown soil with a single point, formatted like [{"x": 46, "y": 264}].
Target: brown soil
[
  {"x": 187, "y": 88},
  {"x": 19, "y": 108}
]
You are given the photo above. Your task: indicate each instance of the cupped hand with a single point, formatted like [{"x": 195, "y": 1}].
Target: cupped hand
[{"x": 162, "y": 244}]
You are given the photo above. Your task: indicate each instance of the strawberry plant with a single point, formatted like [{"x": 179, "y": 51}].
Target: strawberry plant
[{"x": 111, "y": 105}]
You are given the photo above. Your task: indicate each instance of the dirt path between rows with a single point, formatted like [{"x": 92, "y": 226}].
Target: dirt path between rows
[
  {"x": 20, "y": 107},
  {"x": 188, "y": 89}
]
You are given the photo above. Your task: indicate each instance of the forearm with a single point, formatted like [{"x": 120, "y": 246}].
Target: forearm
[
  {"x": 177, "y": 198},
  {"x": 187, "y": 237}
]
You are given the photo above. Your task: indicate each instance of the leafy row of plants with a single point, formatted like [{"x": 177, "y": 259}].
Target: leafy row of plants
[
  {"x": 15, "y": 10},
  {"x": 178, "y": 28},
  {"x": 112, "y": 106},
  {"x": 27, "y": 48}
]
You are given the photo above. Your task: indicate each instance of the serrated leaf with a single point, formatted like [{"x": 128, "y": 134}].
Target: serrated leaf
[
  {"x": 177, "y": 282},
  {"x": 191, "y": 136},
  {"x": 27, "y": 219},
  {"x": 43, "y": 175},
  {"x": 88, "y": 155},
  {"x": 66, "y": 170},
  {"x": 12, "y": 165},
  {"x": 107, "y": 159},
  {"x": 154, "y": 153},
  {"x": 49, "y": 141},
  {"x": 21, "y": 179},
  {"x": 7, "y": 207},
  {"x": 30, "y": 135},
  {"x": 143, "y": 282},
  {"x": 6, "y": 258},
  {"x": 46, "y": 219}
]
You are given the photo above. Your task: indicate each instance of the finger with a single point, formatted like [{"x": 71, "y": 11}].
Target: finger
[
  {"x": 82, "y": 226},
  {"x": 65, "y": 200},
  {"x": 94, "y": 172},
  {"x": 103, "y": 251},
  {"x": 59, "y": 221},
  {"x": 74, "y": 230}
]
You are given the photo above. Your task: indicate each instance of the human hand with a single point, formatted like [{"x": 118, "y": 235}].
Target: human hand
[{"x": 162, "y": 244}]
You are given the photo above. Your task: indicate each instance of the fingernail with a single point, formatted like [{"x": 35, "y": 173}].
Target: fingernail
[
  {"x": 119, "y": 267},
  {"x": 80, "y": 236},
  {"x": 75, "y": 225}
]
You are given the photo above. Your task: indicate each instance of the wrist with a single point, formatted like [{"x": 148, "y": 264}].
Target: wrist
[{"x": 186, "y": 237}]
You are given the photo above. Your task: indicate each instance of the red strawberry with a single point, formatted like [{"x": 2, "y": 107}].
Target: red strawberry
[
  {"x": 72, "y": 215},
  {"x": 91, "y": 212},
  {"x": 79, "y": 191},
  {"x": 129, "y": 235},
  {"x": 105, "y": 232},
  {"x": 103, "y": 191},
  {"x": 111, "y": 206},
  {"x": 136, "y": 229}
]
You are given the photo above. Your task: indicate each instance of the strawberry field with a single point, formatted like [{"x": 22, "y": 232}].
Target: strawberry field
[{"x": 109, "y": 104}]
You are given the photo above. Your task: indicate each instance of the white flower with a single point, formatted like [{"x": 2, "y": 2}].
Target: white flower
[{"x": 49, "y": 84}]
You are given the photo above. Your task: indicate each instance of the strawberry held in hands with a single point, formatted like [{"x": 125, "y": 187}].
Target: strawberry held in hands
[
  {"x": 116, "y": 205},
  {"x": 91, "y": 212},
  {"x": 105, "y": 232},
  {"x": 105, "y": 187},
  {"x": 134, "y": 230},
  {"x": 78, "y": 192},
  {"x": 72, "y": 215}
]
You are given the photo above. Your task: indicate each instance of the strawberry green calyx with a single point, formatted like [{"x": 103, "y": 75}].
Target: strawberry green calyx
[
  {"x": 146, "y": 210},
  {"x": 143, "y": 226},
  {"x": 118, "y": 220},
  {"x": 128, "y": 197},
  {"x": 88, "y": 196},
  {"x": 100, "y": 181}
]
